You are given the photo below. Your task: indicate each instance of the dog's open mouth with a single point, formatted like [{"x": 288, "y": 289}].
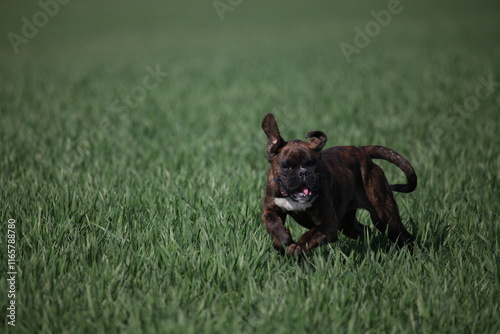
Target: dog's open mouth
[{"x": 301, "y": 195}]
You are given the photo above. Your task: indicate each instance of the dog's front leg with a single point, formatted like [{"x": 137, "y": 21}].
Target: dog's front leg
[
  {"x": 324, "y": 233},
  {"x": 275, "y": 225}
]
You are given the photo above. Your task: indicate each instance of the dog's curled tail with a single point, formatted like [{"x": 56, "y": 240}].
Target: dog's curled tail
[{"x": 385, "y": 153}]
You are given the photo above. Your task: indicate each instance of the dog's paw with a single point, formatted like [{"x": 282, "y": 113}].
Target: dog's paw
[
  {"x": 296, "y": 249},
  {"x": 292, "y": 250}
]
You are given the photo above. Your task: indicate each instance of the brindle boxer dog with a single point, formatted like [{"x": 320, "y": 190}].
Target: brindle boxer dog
[{"x": 322, "y": 190}]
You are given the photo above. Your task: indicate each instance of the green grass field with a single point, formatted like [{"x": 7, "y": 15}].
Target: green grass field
[{"x": 133, "y": 163}]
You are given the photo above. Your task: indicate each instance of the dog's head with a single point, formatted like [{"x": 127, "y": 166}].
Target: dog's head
[{"x": 294, "y": 164}]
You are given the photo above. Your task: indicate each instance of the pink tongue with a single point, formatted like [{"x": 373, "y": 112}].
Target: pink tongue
[{"x": 306, "y": 191}]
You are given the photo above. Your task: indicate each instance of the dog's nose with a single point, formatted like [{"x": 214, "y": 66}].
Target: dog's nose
[{"x": 303, "y": 173}]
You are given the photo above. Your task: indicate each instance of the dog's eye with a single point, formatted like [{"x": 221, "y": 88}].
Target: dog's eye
[
  {"x": 286, "y": 166},
  {"x": 311, "y": 164}
]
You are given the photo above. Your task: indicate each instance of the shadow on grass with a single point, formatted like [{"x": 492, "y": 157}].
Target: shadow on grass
[
  {"x": 349, "y": 250},
  {"x": 430, "y": 237}
]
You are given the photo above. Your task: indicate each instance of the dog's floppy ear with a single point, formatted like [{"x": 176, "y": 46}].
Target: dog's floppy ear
[
  {"x": 317, "y": 140},
  {"x": 274, "y": 140}
]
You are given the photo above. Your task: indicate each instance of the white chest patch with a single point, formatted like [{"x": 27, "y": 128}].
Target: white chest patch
[{"x": 288, "y": 205}]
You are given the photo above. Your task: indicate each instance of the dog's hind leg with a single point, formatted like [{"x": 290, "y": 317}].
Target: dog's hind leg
[
  {"x": 351, "y": 227},
  {"x": 383, "y": 207}
]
